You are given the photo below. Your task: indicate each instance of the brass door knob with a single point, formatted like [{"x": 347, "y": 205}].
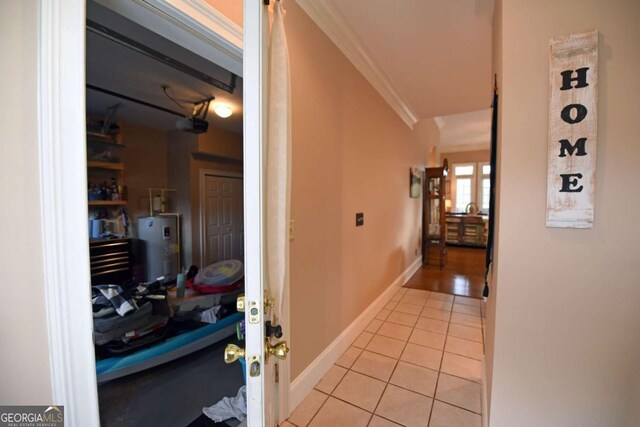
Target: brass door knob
[
  {"x": 279, "y": 350},
  {"x": 233, "y": 353}
]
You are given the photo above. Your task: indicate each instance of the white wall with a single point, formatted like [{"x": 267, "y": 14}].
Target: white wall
[
  {"x": 24, "y": 350},
  {"x": 566, "y": 341}
]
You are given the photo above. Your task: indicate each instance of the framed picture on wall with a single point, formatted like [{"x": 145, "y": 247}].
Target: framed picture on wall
[{"x": 415, "y": 182}]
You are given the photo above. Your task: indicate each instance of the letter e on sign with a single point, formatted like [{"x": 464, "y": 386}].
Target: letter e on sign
[{"x": 573, "y": 132}]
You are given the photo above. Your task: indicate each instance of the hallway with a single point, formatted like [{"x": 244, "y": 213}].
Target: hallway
[
  {"x": 418, "y": 363},
  {"x": 463, "y": 275}
]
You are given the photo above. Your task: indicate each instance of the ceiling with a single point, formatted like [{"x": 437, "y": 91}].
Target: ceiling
[
  {"x": 426, "y": 58},
  {"x": 464, "y": 132},
  {"x": 120, "y": 69},
  {"x": 429, "y": 59},
  {"x": 437, "y": 54}
]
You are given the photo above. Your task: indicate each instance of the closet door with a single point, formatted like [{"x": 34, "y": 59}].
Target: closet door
[{"x": 223, "y": 219}]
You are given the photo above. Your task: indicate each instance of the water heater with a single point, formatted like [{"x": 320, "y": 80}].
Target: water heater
[{"x": 158, "y": 236}]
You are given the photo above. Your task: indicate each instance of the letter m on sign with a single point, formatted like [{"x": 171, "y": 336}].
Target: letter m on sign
[{"x": 573, "y": 118}]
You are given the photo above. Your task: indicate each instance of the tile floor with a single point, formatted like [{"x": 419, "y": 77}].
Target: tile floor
[{"x": 418, "y": 363}]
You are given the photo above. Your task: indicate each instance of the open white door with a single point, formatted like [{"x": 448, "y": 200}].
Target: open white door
[
  {"x": 62, "y": 169},
  {"x": 267, "y": 373}
]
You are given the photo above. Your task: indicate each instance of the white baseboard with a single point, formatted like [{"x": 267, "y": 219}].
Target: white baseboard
[
  {"x": 485, "y": 410},
  {"x": 304, "y": 383}
]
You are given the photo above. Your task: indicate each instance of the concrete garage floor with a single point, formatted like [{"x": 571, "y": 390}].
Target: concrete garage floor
[{"x": 173, "y": 394}]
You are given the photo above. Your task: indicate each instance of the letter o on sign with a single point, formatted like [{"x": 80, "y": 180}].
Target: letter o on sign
[{"x": 581, "y": 113}]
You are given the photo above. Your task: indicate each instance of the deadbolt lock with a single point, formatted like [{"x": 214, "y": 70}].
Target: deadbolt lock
[
  {"x": 241, "y": 306},
  {"x": 279, "y": 350},
  {"x": 233, "y": 353}
]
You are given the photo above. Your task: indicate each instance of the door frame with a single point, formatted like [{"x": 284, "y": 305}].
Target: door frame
[
  {"x": 62, "y": 165},
  {"x": 203, "y": 174}
]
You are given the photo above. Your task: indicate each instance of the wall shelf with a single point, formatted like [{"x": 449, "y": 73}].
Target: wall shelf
[
  {"x": 101, "y": 138},
  {"x": 107, "y": 202},
  {"x": 105, "y": 165}
]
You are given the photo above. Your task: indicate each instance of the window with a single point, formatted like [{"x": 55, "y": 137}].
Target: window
[
  {"x": 464, "y": 178},
  {"x": 471, "y": 183},
  {"x": 485, "y": 190},
  {"x": 464, "y": 170}
]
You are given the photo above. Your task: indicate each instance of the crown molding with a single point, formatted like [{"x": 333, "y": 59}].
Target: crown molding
[
  {"x": 193, "y": 24},
  {"x": 336, "y": 27},
  {"x": 201, "y": 13}
]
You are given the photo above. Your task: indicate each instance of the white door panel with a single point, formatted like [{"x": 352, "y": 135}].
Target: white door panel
[
  {"x": 260, "y": 396},
  {"x": 223, "y": 219}
]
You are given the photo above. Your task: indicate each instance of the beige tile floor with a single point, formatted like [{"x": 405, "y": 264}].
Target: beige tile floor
[{"x": 418, "y": 363}]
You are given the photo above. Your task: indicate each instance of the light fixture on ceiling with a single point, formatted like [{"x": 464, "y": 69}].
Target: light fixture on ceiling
[{"x": 222, "y": 110}]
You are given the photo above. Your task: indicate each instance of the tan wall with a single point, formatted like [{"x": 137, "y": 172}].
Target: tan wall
[
  {"x": 466, "y": 157},
  {"x": 351, "y": 153},
  {"x": 179, "y": 147},
  {"x": 567, "y": 337},
  {"x": 24, "y": 349},
  {"x": 232, "y": 9},
  {"x": 426, "y": 132},
  {"x": 433, "y": 137},
  {"x": 145, "y": 163},
  {"x": 221, "y": 142}
]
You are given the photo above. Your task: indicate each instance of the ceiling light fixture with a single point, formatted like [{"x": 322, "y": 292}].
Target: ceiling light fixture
[{"x": 222, "y": 110}]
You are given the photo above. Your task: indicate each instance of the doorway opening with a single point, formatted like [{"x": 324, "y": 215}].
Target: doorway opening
[
  {"x": 165, "y": 202},
  {"x": 456, "y": 206}
]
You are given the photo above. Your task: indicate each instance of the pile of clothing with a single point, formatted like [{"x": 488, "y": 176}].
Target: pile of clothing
[
  {"x": 125, "y": 320},
  {"x": 130, "y": 318}
]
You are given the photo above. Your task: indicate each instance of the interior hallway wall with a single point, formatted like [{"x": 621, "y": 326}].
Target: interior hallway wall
[
  {"x": 24, "y": 347},
  {"x": 232, "y": 9},
  {"x": 433, "y": 137},
  {"x": 490, "y": 313},
  {"x": 476, "y": 156},
  {"x": 351, "y": 153},
  {"x": 566, "y": 338}
]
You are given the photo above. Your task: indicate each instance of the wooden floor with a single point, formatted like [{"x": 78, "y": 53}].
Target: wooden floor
[{"x": 463, "y": 274}]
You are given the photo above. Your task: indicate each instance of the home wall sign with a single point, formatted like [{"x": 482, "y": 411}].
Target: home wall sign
[{"x": 573, "y": 131}]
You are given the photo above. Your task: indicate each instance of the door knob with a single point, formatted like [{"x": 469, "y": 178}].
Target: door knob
[
  {"x": 279, "y": 350},
  {"x": 233, "y": 353},
  {"x": 240, "y": 304}
]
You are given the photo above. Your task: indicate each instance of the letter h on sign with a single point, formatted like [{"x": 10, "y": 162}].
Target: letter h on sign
[{"x": 573, "y": 115}]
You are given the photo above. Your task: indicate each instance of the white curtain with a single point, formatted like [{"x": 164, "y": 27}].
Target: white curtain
[{"x": 278, "y": 162}]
